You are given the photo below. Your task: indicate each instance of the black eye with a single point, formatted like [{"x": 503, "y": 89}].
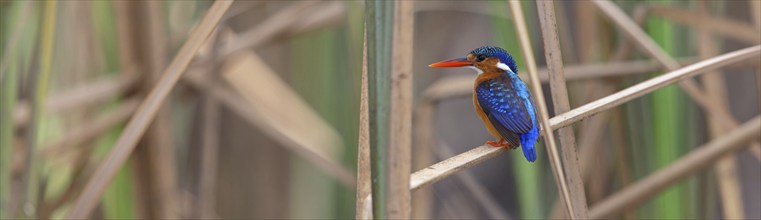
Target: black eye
[{"x": 480, "y": 57}]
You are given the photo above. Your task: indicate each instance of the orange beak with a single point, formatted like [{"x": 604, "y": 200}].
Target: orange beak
[{"x": 459, "y": 62}]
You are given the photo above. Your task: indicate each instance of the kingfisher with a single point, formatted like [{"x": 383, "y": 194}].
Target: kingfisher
[{"x": 502, "y": 101}]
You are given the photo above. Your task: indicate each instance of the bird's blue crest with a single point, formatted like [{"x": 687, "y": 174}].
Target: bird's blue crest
[{"x": 502, "y": 54}]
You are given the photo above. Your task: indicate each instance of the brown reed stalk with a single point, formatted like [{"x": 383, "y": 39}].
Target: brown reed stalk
[
  {"x": 269, "y": 28},
  {"x": 90, "y": 131},
  {"x": 726, "y": 168},
  {"x": 650, "y": 85},
  {"x": 574, "y": 211},
  {"x": 400, "y": 112},
  {"x": 143, "y": 47},
  {"x": 148, "y": 109},
  {"x": 700, "y": 158},
  {"x": 561, "y": 104},
  {"x": 82, "y": 96}
]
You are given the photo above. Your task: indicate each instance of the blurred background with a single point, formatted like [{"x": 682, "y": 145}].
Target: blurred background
[{"x": 264, "y": 122}]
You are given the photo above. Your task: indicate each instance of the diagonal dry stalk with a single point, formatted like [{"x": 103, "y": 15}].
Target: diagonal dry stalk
[
  {"x": 269, "y": 28},
  {"x": 703, "y": 20},
  {"x": 89, "y": 131},
  {"x": 650, "y": 85},
  {"x": 148, "y": 109},
  {"x": 557, "y": 167},
  {"x": 633, "y": 31},
  {"x": 696, "y": 160},
  {"x": 561, "y": 103},
  {"x": 319, "y": 157},
  {"x": 474, "y": 188},
  {"x": 238, "y": 105},
  {"x": 142, "y": 47},
  {"x": 83, "y": 96},
  {"x": 469, "y": 158}
]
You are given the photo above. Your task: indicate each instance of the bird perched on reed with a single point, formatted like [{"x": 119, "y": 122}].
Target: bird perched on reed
[{"x": 502, "y": 100}]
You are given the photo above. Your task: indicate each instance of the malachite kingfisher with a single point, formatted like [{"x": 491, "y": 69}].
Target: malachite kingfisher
[{"x": 502, "y": 101}]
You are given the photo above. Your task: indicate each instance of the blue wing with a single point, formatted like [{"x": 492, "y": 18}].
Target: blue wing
[{"x": 504, "y": 107}]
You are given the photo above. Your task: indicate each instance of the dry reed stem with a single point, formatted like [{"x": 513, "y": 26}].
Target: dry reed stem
[
  {"x": 89, "y": 131},
  {"x": 209, "y": 155},
  {"x": 633, "y": 31},
  {"x": 85, "y": 95},
  {"x": 700, "y": 158},
  {"x": 703, "y": 20},
  {"x": 449, "y": 166},
  {"x": 128, "y": 29},
  {"x": 477, "y": 9},
  {"x": 205, "y": 205},
  {"x": 756, "y": 14},
  {"x": 236, "y": 103},
  {"x": 325, "y": 15},
  {"x": 650, "y": 85},
  {"x": 286, "y": 112},
  {"x": 364, "y": 208},
  {"x": 269, "y": 28},
  {"x": 475, "y": 188},
  {"x": 155, "y": 168},
  {"x": 469, "y": 158},
  {"x": 400, "y": 113},
  {"x": 148, "y": 109},
  {"x": 316, "y": 156},
  {"x": 574, "y": 211},
  {"x": 424, "y": 139},
  {"x": 726, "y": 169},
  {"x": 559, "y": 92},
  {"x": 311, "y": 18}
]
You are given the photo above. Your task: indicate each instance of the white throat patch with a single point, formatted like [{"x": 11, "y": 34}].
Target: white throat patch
[{"x": 504, "y": 67}]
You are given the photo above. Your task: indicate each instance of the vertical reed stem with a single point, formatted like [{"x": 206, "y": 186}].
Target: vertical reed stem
[
  {"x": 726, "y": 168},
  {"x": 400, "y": 139},
  {"x": 559, "y": 91},
  {"x": 29, "y": 181},
  {"x": 536, "y": 86},
  {"x": 389, "y": 39},
  {"x": 364, "y": 209}
]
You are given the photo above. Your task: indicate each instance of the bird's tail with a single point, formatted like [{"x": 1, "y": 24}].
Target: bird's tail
[{"x": 527, "y": 144}]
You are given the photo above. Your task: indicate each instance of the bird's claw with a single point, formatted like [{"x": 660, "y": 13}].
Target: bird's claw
[{"x": 498, "y": 144}]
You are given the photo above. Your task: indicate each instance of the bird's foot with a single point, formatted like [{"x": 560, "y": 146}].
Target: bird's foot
[{"x": 501, "y": 143}]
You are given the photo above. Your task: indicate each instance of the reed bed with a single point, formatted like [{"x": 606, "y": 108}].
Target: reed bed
[{"x": 326, "y": 109}]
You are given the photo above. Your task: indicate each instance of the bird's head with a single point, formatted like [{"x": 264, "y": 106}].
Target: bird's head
[{"x": 483, "y": 59}]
